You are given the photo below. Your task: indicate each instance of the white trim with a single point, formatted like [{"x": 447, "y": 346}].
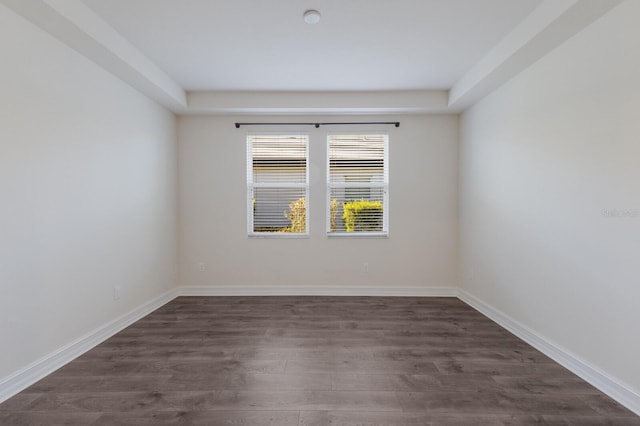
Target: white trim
[
  {"x": 317, "y": 291},
  {"x": 20, "y": 380},
  {"x": 25, "y": 377},
  {"x": 384, "y": 185},
  {"x": 612, "y": 387},
  {"x": 251, "y": 185},
  {"x": 332, "y": 235},
  {"x": 270, "y": 235},
  {"x": 37, "y": 370}
]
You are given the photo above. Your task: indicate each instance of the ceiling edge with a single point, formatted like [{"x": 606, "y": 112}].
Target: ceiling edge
[
  {"x": 548, "y": 26},
  {"x": 280, "y": 102},
  {"x": 76, "y": 25}
]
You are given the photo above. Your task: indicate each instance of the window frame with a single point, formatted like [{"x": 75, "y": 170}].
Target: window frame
[
  {"x": 252, "y": 185},
  {"x": 372, "y": 185}
]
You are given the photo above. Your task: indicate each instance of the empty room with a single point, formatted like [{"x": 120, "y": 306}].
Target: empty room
[{"x": 319, "y": 212}]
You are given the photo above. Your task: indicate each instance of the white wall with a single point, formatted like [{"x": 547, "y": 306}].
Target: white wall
[
  {"x": 420, "y": 251},
  {"x": 87, "y": 195},
  {"x": 542, "y": 159}
]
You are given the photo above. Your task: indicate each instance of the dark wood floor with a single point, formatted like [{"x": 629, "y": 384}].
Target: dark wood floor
[{"x": 312, "y": 361}]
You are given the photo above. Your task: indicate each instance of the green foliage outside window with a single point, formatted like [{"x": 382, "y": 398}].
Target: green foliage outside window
[
  {"x": 363, "y": 216},
  {"x": 297, "y": 214}
]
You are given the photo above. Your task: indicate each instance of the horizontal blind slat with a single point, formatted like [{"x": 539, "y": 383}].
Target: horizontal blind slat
[
  {"x": 357, "y": 183},
  {"x": 277, "y": 183}
]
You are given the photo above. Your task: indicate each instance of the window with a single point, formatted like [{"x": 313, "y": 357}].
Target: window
[
  {"x": 277, "y": 185},
  {"x": 357, "y": 185}
]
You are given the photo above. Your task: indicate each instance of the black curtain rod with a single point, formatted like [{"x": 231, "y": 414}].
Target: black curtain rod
[{"x": 395, "y": 123}]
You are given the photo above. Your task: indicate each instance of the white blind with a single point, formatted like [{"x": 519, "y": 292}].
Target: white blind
[
  {"x": 357, "y": 184},
  {"x": 277, "y": 184}
]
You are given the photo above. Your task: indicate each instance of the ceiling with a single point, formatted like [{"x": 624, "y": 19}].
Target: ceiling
[
  {"x": 358, "y": 45},
  {"x": 364, "y": 57}
]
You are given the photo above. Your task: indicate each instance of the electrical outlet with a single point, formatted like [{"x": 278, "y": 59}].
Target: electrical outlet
[
  {"x": 202, "y": 267},
  {"x": 117, "y": 292},
  {"x": 365, "y": 267}
]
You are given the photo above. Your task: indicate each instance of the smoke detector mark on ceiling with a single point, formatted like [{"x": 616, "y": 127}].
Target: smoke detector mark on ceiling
[{"x": 312, "y": 16}]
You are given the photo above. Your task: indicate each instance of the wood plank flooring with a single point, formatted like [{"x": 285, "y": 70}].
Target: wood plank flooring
[{"x": 313, "y": 361}]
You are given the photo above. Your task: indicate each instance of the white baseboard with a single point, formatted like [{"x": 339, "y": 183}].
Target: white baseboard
[
  {"x": 22, "y": 379},
  {"x": 317, "y": 291},
  {"x": 38, "y": 369},
  {"x": 591, "y": 374}
]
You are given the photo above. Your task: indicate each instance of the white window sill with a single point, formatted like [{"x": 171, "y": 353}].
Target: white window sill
[
  {"x": 278, "y": 235},
  {"x": 358, "y": 235}
]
